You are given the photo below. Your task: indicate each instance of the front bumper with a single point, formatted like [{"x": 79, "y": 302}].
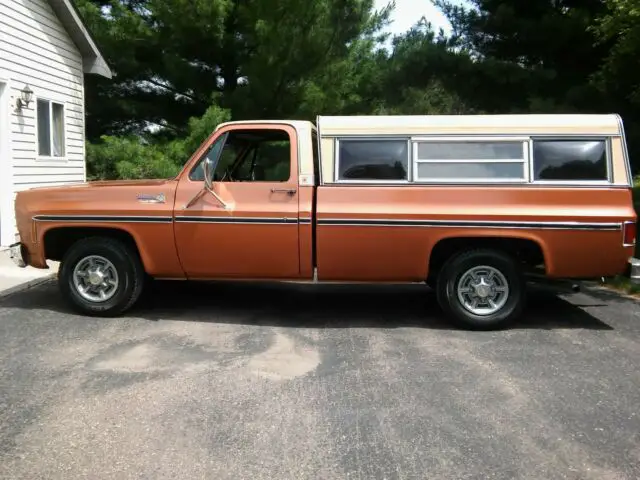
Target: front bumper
[
  {"x": 634, "y": 270},
  {"x": 18, "y": 253}
]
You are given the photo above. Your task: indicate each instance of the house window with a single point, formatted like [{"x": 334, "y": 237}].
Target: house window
[
  {"x": 570, "y": 160},
  {"x": 50, "y": 128},
  {"x": 471, "y": 160},
  {"x": 386, "y": 160}
]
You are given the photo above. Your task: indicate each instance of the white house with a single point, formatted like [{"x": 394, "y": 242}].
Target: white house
[{"x": 44, "y": 49}]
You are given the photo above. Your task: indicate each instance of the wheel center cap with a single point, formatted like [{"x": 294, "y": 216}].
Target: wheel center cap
[
  {"x": 96, "y": 278},
  {"x": 483, "y": 290}
]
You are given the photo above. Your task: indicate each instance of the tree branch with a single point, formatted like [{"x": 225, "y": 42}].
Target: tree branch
[{"x": 171, "y": 89}]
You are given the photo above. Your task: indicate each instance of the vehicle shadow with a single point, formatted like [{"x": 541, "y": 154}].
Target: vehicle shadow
[{"x": 302, "y": 305}]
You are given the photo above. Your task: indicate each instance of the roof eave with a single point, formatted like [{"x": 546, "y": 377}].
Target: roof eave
[
  {"x": 92, "y": 60},
  {"x": 96, "y": 66}
]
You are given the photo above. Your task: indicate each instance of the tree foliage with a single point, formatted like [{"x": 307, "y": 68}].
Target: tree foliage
[
  {"x": 535, "y": 56},
  {"x": 183, "y": 66},
  {"x": 135, "y": 157},
  {"x": 259, "y": 59},
  {"x": 620, "y": 26}
]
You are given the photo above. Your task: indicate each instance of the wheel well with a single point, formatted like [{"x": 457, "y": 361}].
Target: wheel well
[
  {"x": 526, "y": 251},
  {"x": 58, "y": 240}
]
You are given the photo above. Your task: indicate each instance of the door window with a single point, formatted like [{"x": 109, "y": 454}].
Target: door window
[
  {"x": 256, "y": 156},
  {"x": 250, "y": 156},
  {"x": 197, "y": 172}
]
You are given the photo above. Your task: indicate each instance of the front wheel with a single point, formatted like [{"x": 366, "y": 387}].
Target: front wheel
[
  {"x": 101, "y": 276},
  {"x": 481, "y": 289}
]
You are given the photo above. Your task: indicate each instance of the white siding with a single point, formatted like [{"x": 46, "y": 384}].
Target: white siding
[{"x": 36, "y": 50}]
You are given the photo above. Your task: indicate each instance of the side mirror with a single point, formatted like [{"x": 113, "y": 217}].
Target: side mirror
[{"x": 208, "y": 169}]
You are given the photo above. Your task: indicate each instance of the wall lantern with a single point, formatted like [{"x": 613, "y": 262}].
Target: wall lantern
[{"x": 26, "y": 95}]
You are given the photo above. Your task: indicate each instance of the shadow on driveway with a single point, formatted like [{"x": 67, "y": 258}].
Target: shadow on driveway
[{"x": 315, "y": 305}]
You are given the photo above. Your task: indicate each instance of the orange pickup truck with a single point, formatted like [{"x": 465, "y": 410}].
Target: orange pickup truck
[{"x": 468, "y": 204}]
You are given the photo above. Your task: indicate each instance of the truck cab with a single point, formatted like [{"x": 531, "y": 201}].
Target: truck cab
[{"x": 467, "y": 204}]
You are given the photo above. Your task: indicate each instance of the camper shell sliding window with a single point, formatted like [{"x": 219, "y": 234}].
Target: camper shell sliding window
[{"x": 566, "y": 159}]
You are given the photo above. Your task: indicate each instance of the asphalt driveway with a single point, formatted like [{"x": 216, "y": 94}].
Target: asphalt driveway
[{"x": 288, "y": 381}]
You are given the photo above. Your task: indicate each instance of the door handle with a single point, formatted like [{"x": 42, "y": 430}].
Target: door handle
[{"x": 288, "y": 191}]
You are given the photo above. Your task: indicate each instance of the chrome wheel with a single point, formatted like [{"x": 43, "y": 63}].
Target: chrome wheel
[
  {"x": 95, "y": 279},
  {"x": 483, "y": 290}
]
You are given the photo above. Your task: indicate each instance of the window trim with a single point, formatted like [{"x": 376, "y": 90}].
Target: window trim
[
  {"x": 317, "y": 161},
  {"x": 51, "y": 101},
  {"x": 526, "y": 138},
  {"x": 525, "y": 160},
  {"x": 574, "y": 138},
  {"x": 225, "y": 137},
  {"x": 253, "y": 151},
  {"x": 625, "y": 152},
  {"x": 336, "y": 160}
]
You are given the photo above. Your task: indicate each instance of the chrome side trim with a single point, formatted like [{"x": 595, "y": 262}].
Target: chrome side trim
[
  {"x": 469, "y": 224},
  {"x": 104, "y": 218},
  {"x": 236, "y": 220},
  {"x": 165, "y": 219},
  {"x": 612, "y": 226}
]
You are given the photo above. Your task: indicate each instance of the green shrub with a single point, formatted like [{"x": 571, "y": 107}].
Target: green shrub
[
  {"x": 136, "y": 158},
  {"x": 127, "y": 158}
]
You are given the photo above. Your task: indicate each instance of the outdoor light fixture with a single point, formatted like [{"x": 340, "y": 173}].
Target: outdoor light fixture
[{"x": 26, "y": 95}]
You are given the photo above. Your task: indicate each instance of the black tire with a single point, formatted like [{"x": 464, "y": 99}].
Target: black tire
[
  {"x": 127, "y": 264},
  {"x": 432, "y": 282},
  {"x": 451, "y": 274}
]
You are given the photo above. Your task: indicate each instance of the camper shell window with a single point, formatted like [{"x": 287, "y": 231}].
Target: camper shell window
[
  {"x": 471, "y": 160},
  {"x": 372, "y": 160},
  {"x": 568, "y": 159}
]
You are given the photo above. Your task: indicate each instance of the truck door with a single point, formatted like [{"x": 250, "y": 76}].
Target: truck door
[{"x": 248, "y": 226}]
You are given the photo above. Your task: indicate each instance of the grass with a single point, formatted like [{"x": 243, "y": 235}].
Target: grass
[{"x": 623, "y": 284}]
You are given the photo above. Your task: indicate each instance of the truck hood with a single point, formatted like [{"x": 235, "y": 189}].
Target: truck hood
[
  {"x": 122, "y": 197},
  {"x": 106, "y": 183}
]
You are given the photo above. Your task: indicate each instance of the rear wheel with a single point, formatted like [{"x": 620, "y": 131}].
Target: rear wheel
[
  {"x": 101, "y": 276},
  {"x": 481, "y": 289}
]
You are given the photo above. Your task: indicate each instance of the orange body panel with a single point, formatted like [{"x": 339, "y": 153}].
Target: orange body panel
[
  {"x": 349, "y": 232},
  {"x": 256, "y": 237},
  {"x": 306, "y": 231},
  {"x": 401, "y": 253},
  {"x": 99, "y": 204}
]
